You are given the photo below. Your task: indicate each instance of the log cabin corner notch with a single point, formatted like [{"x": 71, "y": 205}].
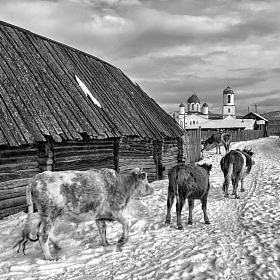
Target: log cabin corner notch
[{"x": 48, "y": 122}]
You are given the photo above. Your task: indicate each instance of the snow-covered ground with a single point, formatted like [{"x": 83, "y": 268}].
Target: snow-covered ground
[{"x": 242, "y": 242}]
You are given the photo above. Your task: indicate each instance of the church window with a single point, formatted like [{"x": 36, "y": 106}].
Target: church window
[
  {"x": 197, "y": 107},
  {"x": 228, "y": 110},
  {"x": 189, "y": 107},
  {"x": 192, "y": 107},
  {"x": 228, "y": 98}
]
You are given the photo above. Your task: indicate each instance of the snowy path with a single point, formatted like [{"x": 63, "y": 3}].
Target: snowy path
[{"x": 242, "y": 242}]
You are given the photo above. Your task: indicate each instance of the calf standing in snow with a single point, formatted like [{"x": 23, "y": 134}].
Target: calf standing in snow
[
  {"x": 78, "y": 196},
  {"x": 217, "y": 139},
  {"x": 236, "y": 165},
  {"x": 188, "y": 182}
]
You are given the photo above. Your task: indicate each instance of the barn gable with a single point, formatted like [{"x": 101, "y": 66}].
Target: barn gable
[{"x": 63, "y": 109}]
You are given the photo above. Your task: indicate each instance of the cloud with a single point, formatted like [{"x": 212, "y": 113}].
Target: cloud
[{"x": 169, "y": 47}]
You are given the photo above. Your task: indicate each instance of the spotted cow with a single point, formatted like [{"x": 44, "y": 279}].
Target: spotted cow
[
  {"x": 236, "y": 165},
  {"x": 78, "y": 196}
]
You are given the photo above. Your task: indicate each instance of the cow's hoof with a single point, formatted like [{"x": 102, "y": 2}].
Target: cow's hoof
[
  {"x": 119, "y": 248},
  {"x": 180, "y": 227},
  {"x": 52, "y": 259},
  {"x": 106, "y": 243},
  {"x": 237, "y": 197},
  {"x": 207, "y": 222},
  {"x": 167, "y": 222},
  {"x": 190, "y": 223}
]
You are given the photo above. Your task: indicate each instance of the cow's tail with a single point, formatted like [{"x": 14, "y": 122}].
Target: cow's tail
[
  {"x": 173, "y": 182},
  {"x": 230, "y": 170},
  {"x": 25, "y": 235}
]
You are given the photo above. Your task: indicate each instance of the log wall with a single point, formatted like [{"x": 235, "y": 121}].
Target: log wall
[
  {"x": 168, "y": 153},
  {"x": 17, "y": 167},
  {"x": 135, "y": 152},
  {"x": 83, "y": 155}
]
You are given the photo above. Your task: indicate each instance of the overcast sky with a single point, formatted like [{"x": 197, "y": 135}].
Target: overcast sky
[{"x": 170, "y": 47}]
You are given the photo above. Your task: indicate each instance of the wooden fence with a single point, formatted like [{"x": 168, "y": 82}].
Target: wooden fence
[{"x": 243, "y": 135}]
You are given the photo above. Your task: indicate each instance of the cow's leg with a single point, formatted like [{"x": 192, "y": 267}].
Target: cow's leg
[
  {"x": 204, "y": 209},
  {"x": 179, "y": 206},
  {"x": 170, "y": 200},
  {"x": 225, "y": 188},
  {"x": 242, "y": 185},
  {"x": 233, "y": 182},
  {"x": 122, "y": 220},
  {"x": 191, "y": 206},
  {"x": 101, "y": 224},
  {"x": 44, "y": 232},
  {"x": 235, "y": 186}
]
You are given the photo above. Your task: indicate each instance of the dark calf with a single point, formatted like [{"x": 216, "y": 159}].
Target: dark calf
[
  {"x": 188, "y": 182},
  {"x": 217, "y": 139}
]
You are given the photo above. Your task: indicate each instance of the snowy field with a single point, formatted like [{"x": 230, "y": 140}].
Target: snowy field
[{"x": 242, "y": 242}]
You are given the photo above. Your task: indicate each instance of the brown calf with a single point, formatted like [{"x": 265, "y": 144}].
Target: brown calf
[
  {"x": 188, "y": 182},
  {"x": 217, "y": 139}
]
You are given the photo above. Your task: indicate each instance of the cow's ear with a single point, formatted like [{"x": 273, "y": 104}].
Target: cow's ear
[{"x": 143, "y": 176}]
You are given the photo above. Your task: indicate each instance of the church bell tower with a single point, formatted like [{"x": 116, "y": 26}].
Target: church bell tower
[{"x": 228, "y": 103}]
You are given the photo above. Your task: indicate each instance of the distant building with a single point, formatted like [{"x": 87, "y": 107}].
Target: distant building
[{"x": 192, "y": 113}]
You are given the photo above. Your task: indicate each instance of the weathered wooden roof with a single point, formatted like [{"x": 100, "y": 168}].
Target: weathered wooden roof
[{"x": 40, "y": 95}]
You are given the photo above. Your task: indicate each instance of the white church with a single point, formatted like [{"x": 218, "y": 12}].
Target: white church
[{"x": 193, "y": 113}]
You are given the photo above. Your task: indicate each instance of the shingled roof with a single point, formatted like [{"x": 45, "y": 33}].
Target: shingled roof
[{"x": 40, "y": 95}]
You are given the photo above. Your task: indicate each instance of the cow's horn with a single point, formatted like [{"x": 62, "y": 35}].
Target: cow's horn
[{"x": 141, "y": 169}]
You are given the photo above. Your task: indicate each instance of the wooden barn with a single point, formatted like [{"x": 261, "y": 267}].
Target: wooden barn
[
  {"x": 63, "y": 109},
  {"x": 261, "y": 122}
]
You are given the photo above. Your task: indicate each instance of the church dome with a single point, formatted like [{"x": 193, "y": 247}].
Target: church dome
[
  {"x": 193, "y": 99},
  {"x": 228, "y": 90},
  {"x": 205, "y": 105},
  {"x": 182, "y": 105}
]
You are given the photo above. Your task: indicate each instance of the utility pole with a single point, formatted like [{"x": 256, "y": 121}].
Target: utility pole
[
  {"x": 256, "y": 108},
  {"x": 248, "y": 109}
]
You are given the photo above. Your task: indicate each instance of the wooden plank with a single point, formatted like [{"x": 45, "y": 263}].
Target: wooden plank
[
  {"x": 5, "y": 114},
  {"x": 26, "y": 78},
  {"x": 3, "y": 140},
  {"x": 18, "y": 175},
  {"x": 12, "y": 210},
  {"x": 86, "y": 65},
  {"x": 12, "y": 193},
  {"x": 12, "y": 202},
  {"x": 21, "y": 159},
  {"x": 7, "y": 132},
  {"x": 11, "y": 69},
  {"x": 15, "y": 183},
  {"x": 114, "y": 108},
  {"x": 12, "y": 167},
  {"x": 44, "y": 83},
  {"x": 16, "y": 115},
  {"x": 70, "y": 85},
  {"x": 16, "y": 99}
]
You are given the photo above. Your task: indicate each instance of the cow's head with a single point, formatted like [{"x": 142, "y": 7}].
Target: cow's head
[
  {"x": 143, "y": 187},
  {"x": 206, "y": 166},
  {"x": 249, "y": 152}
]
